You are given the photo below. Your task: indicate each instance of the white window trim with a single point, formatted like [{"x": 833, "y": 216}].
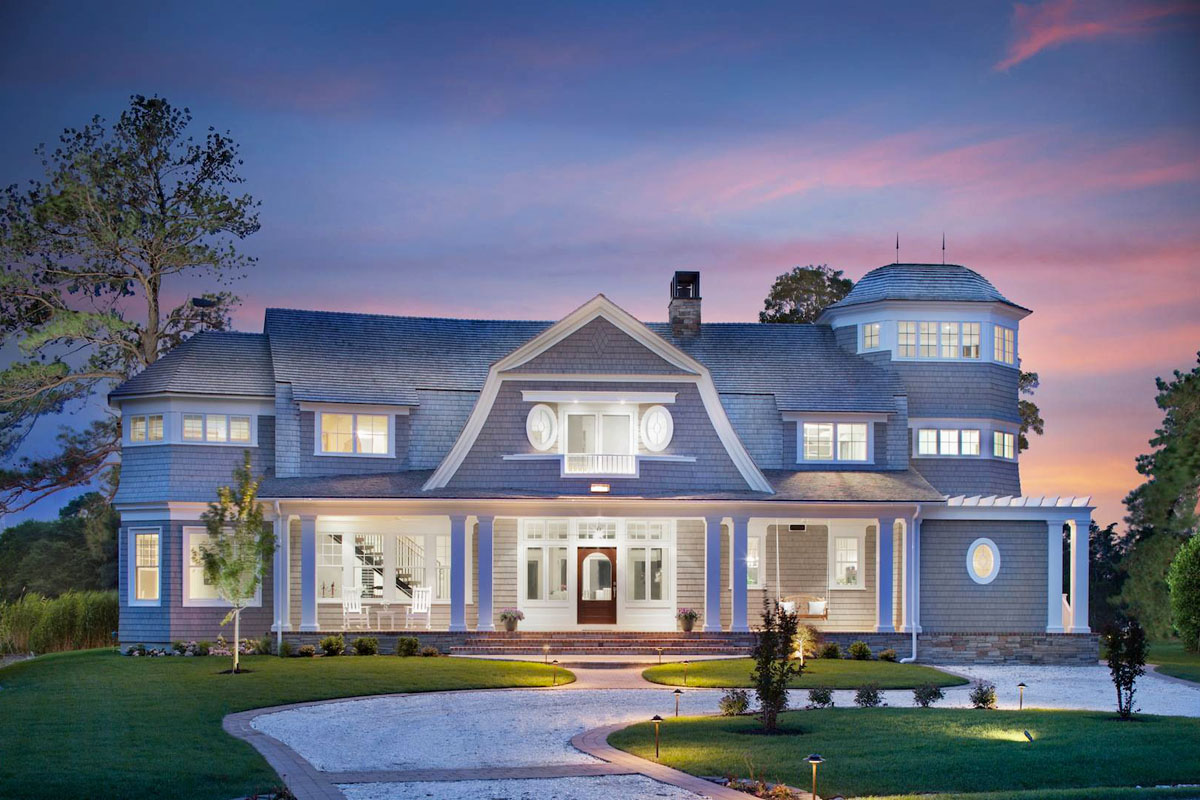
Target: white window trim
[
  {"x": 599, "y": 410},
  {"x": 975, "y": 545},
  {"x": 354, "y": 412},
  {"x": 987, "y": 431},
  {"x": 390, "y": 595},
  {"x": 987, "y": 342},
  {"x": 132, "y": 533},
  {"x": 1016, "y": 362},
  {"x": 831, "y": 559},
  {"x": 761, "y": 537},
  {"x": 862, "y": 337},
  {"x": 1016, "y": 443},
  {"x": 213, "y": 602},
  {"x": 835, "y": 420},
  {"x": 173, "y": 428}
]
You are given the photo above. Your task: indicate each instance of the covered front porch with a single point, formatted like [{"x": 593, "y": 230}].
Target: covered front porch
[{"x": 595, "y": 566}]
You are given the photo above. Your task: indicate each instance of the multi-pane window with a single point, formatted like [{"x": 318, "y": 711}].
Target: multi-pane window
[
  {"x": 145, "y": 565},
  {"x": 927, "y": 442},
  {"x": 906, "y": 339},
  {"x": 929, "y": 340},
  {"x": 146, "y": 428},
  {"x": 410, "y": 565},
  {"x": 547, "y": 529},
  {"x": 1003, "y": 445},
  {"x": 647, "y": 577},
  {"x": 970, "y": 443},
  {"x": 137, "y": 429},
  {"x": 239, "y": 429},
  {"x": 546, "y": 573},
  {"x": 847, "y": 567},
  {"x": 193, "y": 427},
  {"x": 215, "y": 428},
  {"x": 754, "y": 562},
  {"x": 368, "y": 565},
  {"x": 949, "y": 339},
  {"x": 365, "y": 434},
  {"x": 1005, "y": 345},
  {"x": 970, "y": 340},
  {"x": 948, "y": 442},
  {"x": 330, "y": 559},
  {"x": 638, "y": 530},
  {"x": 597, "y": 529},
  {"x": 870, "y": 335},
  {"x": 199, "y": 587},
  {"x": 818, "y": 441},
  {"x": 441, "y": 568}
]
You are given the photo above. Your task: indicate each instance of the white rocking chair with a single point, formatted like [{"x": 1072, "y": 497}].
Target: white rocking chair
[
  {"x": 354, "y": 615},
  {"x": 422, "y": 605}
]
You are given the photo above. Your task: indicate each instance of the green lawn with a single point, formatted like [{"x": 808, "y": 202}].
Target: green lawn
[
  {"x": 97, "y": 724},
  {"x": 890, "y": 751},
  {"x": 1173, "y": 660},
  {"x": 830, "y": 673}
]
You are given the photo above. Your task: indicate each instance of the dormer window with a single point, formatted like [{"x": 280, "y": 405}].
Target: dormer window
[
  {"x": 870, "y": 335},
  {"x": 599, "y": 443},
  {"x": 353, "y": 434},
  {"x": 835, "y": 441}
]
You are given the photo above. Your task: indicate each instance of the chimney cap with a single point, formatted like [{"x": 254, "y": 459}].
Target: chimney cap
[{"x": 685, "y": 285}]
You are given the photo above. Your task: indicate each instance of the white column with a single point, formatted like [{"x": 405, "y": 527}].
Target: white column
[
  {"x": 884, "y": 556},
  {"x": 1054, "y": 554},
  {"x": 284, "y": 575},
  {"x": 906, "y": 576},
  {"x": 308, "y": 573},
  {"x": 712, "y": 573},
  {"x": 483, "y": 603},
  {"x": 458, "y": 572},
  {"x": 1080, "y": 551},
  {"x": 915, "y": 604},
  {"x": 738, "y": 556}
]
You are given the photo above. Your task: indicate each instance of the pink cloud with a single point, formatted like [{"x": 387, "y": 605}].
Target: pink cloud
[{"x": 1057, "y": 22}]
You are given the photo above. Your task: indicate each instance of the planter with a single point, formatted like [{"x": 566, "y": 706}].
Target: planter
[
  {"x": 510, "y": 625},
  {"x": 687, "y": 624}
]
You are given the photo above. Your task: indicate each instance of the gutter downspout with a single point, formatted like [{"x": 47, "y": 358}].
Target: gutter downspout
[
  {"x": 911, "y": 580},
  {"x": 275, "y": 583}
]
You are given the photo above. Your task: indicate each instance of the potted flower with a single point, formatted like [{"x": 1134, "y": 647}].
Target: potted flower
[
  {"x": 510, "y": 617},
  {"x": 687, "y": 618}
]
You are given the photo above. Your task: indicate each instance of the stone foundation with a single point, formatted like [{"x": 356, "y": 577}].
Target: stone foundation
[{"x": 1008, "y": 648}]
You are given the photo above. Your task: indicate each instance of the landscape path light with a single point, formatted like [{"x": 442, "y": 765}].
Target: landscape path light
[
  {"x": 677, "y": 693},
  {"x": 659, "y": 649},
  {"x": 657, "y": 720},
  {"x": 1021, "y": 696},
  {"x": 545, "y": 654},
  {"x": 815, "y": 759},
  {"x": 554, "y": 679},
  {"x": 685, "y": 666}
]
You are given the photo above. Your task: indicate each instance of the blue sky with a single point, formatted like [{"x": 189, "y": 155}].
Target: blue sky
[{"x": 514, "y": 159}]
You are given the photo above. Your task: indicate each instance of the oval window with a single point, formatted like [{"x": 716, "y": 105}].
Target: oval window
[
  {"x": 983, "y": 561},
  {"x": 657, "y": 429},
  {"x": 541, "y": 426}
]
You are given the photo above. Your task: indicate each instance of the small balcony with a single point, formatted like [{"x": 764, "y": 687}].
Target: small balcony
[{"x": 599, "y": 464}]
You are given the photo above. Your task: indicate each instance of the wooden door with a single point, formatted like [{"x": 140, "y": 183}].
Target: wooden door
[{"x": 597, "y": 586}]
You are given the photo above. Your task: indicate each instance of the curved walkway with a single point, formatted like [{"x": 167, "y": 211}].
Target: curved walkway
[{"x": 535, "y": 744}]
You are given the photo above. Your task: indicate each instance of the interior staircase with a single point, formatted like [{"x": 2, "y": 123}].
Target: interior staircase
[{"x": 591, "y": 643}]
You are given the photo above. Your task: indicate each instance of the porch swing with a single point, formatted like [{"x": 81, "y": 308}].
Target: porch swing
[{"x": 805, "y": 606}]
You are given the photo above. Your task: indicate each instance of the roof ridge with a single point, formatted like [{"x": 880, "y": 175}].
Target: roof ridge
[{"x": 376, "y": 315}]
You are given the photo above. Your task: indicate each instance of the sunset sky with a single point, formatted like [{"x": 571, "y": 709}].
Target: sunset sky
[{"x": 512, "y": 160}]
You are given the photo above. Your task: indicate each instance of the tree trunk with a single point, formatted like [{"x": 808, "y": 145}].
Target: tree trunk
[{"x": 237, "y": 622}]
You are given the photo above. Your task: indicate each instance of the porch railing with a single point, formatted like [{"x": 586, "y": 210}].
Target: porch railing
[{"x": 600, "y": 464}]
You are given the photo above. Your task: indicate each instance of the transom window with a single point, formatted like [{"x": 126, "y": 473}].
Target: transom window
[
  {"x": 847, "y": 562},
  {"x": 216, "y": 428},
  {"x": 1005, "y": 345},
  {"x": 347, "y": 433},
  {"x": 1004, "y": 445},
  {"x": 870, "y": 335},
  {"x": 819, "y": 438},
  {"x": 145, "y": 578}
]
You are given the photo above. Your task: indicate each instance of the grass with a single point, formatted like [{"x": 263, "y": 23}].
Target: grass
[
  {"x": 1173, "y": 660},
  {"x": 829, "y": 673},
  {"x": 891, "y": 751},
  {"x": 94, "y": 723}
]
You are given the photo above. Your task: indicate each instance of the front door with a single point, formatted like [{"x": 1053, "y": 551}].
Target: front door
[{"x": 597, "y": 586}]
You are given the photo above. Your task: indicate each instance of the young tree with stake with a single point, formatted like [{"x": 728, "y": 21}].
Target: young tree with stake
[{"x": 238, "y": 547}]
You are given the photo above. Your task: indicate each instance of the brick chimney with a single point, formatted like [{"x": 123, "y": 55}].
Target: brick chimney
[{"x": 684, "y": 310}]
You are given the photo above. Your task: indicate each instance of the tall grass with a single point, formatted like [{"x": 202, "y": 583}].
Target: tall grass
[{"x": 71, "y": 621}]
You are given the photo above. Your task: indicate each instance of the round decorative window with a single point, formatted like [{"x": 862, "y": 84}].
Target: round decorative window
[
  {"x": 541, "y": 426},
  {"x": 657, "y": 429},
  {"x": 983, "y": 561}
]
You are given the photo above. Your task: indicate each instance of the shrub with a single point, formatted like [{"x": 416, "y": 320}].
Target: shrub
[
  {"x": 831, "y": 650},
  {"x": 806, "y": 643},
  {"x": 285, "y": 649},
  {"x": 1126, "y": 647},
  {"x": 734, "y": 702},
  {"x": 927, "y": 694},
  {"x": 820, "y": 697},
  {"x": 860, "y": 651},
  {"x": 1183, "y": 579},
  {"x": 263, "y": 646},
  {"x": 366, "y": 646},
  {"x": 71, "y": 621},
  {"x": 333, "y": 645},
  {"x": 306, "y": 651},
  {"x": 202, "y": 648},
  {"x": 868, "y": 696},
  {"x": 773, "y": 667},
  {"x": 429, "y": 651},
  {"x": 407, "y": 646},
  {"x": 983, "y": 695},
  {"x": 888, "y": 655},
  {"x": 180, "y": 648}
]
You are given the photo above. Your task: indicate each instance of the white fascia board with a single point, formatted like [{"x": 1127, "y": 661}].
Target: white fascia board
[
  {"x": 355, "y": 408},
  {"x": 200, "y": 403},
  {"x": 1023, "y": 513},
  {"x": 959, "y": 422},
  {"x": 840, "y": 416},
  {"x": 599, "y": 306},
  {"x": 538, "y": 396},
  {"x": 936, "y": 310}
]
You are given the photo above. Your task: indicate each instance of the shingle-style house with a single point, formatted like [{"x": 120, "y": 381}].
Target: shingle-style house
[{"x": 600, "y": 473}]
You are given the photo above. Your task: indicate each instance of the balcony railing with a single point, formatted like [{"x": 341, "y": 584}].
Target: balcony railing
[{"x": 600, "y": 464}]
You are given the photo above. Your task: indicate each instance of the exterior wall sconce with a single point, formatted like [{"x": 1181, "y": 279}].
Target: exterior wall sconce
[{"x": 600, "y": 488}]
